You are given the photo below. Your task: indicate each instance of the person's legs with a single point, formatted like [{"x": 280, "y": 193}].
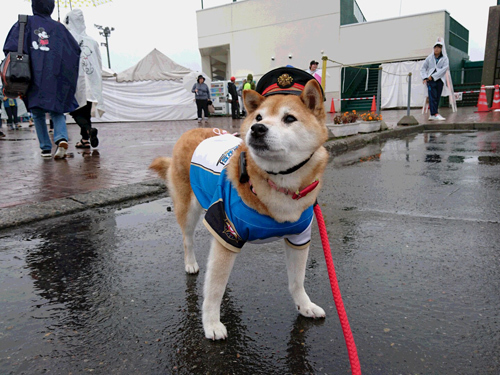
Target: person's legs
[
  {"x": 10, "y": 118},
  {"x": 60, "y": 134},
  {"x": 60, "y": 130},
  {"x": 41, "y": 129},
  {"x": 439, "y": 91},
  {"x": 199, "y": 108},
  {"x": 14, "y": 114},
  {"x": 205, "y": 108},
  {"x": 432, "y": 90},
  {"x": 87, "y": 113},
  {"x": 82, "y": 118},
  {"x": 234, "y": 109}
]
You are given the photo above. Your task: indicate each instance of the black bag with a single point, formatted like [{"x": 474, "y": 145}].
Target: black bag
[{"x": 15, "y": 69}]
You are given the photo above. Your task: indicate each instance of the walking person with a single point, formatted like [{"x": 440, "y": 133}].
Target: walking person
[
  {"x": 89, "y": 85},
  {"x": 433, "y": 72},
  {"x": 249, "y": 84},
  {"x": 54, "y": 55},
  {"x": 10, "y": 106},
  {"x": 202, "y": 94},
  {"x": 240, "y": 97},
  {"x": 231, "y": 88}
]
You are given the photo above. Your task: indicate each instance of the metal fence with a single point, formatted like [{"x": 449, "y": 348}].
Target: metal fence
[{"x": 466, "y": 76}]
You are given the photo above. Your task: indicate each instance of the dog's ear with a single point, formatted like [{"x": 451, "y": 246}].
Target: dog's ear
[
  {"x": 312, "y": 96},
  {"x": 252, "y": 100}
]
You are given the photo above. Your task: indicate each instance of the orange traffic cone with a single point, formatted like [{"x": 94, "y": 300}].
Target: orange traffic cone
[
  {"x": 482, "y": 103},
  {"x": 332, "y": 107},
  {"x": 496, "y": 99},
  {"x": 374, "y": 105}
]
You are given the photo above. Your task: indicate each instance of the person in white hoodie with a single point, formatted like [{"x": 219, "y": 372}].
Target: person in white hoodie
[
  {"x": 89, "y": 87},
  {"x": 433, "y": 74}
]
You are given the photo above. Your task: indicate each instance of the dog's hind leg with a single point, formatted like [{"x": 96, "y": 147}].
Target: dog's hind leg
[
  {"x": 296, "y": 261},
  {"x": 188, "y": 212},
  {"x": 220, "y": 264},
  {"x": 193, "y": 215}
]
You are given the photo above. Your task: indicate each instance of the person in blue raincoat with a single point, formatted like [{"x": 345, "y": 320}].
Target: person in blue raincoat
[{"x": 55, "y": 57}]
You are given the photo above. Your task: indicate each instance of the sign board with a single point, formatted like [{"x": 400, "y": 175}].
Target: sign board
[{"x": 458, "y": 96}]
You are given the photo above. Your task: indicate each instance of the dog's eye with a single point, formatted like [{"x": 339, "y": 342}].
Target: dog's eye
[
  {"x": 289, "y": 119},
  {"x": 258, "y": 118}
]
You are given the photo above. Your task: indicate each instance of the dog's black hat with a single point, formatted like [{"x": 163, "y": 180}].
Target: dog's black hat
[{"x": 286, "y": 80}]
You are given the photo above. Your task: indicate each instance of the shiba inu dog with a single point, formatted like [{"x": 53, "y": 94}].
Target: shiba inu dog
[{"x": 256, "y": 188}]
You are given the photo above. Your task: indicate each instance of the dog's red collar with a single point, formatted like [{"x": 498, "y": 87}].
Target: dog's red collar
[{"x": 296, "y": 195}]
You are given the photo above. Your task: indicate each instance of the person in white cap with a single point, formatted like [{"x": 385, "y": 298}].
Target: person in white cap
[{"x": 433, "y": 72}]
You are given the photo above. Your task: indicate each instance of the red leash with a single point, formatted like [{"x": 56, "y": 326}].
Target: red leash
[{"x": 337, "y": 297}]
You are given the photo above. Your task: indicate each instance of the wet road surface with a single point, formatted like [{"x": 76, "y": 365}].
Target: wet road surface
[{"x": 414, "y": 228}]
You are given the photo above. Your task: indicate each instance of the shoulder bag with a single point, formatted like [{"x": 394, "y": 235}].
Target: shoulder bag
[{"x": 15, "y": 69}]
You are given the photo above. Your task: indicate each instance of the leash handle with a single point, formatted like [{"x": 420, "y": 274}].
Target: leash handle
[{"x": 337, "y": 297}]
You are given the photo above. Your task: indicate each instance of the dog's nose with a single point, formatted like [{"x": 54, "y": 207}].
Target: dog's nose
[{"x": 258, "y": 130}]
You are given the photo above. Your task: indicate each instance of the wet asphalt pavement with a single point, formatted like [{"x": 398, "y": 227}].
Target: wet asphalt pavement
[{"x": 414, "y": 226}]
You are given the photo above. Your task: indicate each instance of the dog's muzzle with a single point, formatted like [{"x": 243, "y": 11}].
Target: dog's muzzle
[
  {"x": 258, "y": 134},
  {"x": 258, "y": 130}
]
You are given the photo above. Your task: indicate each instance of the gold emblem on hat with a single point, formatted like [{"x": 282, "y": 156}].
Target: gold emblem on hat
[{"x": 285, "y": 80}]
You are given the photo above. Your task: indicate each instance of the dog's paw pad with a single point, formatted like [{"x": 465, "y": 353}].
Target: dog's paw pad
[
  {"x": 215, "y": 331},
  {"x": 192, "y": 268},
  {"x": 312, "y": 311}
]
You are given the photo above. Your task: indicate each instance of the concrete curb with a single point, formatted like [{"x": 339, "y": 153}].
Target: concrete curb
[
  {"x": 339, "y": 146},
  {"x": 24, "y": 214}
]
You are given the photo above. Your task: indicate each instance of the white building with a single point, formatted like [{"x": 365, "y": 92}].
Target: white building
[{"x": 255, "y": 36}]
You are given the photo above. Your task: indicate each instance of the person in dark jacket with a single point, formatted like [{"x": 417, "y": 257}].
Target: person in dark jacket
[
  {"x": 231, "y": 87},
  {"x": 202, "y": 95},
  {"x": 54, "y": 56}
]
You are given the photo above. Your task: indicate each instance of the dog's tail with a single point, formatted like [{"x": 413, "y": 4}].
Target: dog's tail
[{"x": 160, "y": 165}]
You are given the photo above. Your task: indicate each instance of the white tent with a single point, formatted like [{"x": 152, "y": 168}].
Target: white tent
[{"x": 151, "y": 90}]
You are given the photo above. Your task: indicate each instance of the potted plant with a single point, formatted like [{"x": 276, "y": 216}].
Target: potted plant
[
  {"x": 370, "y": 122},
  {"x": 345, "y": 124}
]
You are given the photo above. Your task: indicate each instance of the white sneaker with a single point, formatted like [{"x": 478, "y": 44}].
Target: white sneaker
[
  {"x": 432, "y": 118},
  {"x": 199, "y": 120},
  {"x": 439, "y": 117},
  {"x": 62, "y": 147}
]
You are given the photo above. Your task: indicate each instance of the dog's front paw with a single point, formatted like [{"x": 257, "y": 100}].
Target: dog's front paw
[
  {"x": 192, "y": 268},
  {"x": 311, "y": 310},
  {"x": 215, "y": 331}
]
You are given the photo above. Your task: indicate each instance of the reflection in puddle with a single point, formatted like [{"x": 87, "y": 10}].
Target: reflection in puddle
[
  {"x": 489, "y": 160},
  {"x": 432, "y": 158},
  {"x": 456, "y": 159}
]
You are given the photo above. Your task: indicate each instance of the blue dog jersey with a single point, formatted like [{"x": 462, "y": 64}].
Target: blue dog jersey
[{"x": 228, "y": 218}]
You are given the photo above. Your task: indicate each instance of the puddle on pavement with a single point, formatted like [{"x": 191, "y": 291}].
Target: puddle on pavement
[{"x": 415, "y": 246}]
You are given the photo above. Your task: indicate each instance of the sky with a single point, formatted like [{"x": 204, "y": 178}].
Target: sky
[{"x": 170, "y": 26}]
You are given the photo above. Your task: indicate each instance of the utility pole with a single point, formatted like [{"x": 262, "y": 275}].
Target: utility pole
[{"x": 106, "y": 33}]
